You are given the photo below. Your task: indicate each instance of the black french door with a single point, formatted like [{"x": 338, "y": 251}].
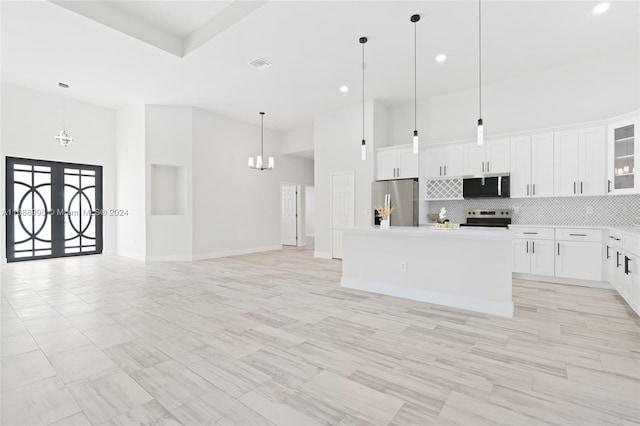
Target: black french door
[{"x": 53, "y": 209}]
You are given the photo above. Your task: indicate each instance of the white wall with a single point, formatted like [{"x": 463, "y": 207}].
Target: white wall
[
  {"x": 31, "y": 120},
  {"x": 309, "y": 210},
  {"x": 131, "y": 181},
  {"x": 337, "y": 137},
  {"x": 237, "y": 209},
  {"x": 168, "y": 142},
  {"x": 592, "y": 90},
  {"x": 298, "y": 140}
]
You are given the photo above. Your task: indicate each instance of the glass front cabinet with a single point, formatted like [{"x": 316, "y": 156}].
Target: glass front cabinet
[{"x": 623, "y": 157}]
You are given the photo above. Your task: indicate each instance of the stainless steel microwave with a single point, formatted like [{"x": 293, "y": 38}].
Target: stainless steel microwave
[{"x": 488, "y": 186}]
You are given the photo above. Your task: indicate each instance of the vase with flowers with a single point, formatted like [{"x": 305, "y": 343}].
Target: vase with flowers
[{"x": 385, "y": 212}]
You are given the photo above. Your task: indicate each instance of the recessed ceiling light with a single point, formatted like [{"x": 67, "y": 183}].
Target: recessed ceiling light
[
  {"x": 601, "y": 8},
  {"x": 344, "y": 89},
  {"x": 441, "y": 58}
]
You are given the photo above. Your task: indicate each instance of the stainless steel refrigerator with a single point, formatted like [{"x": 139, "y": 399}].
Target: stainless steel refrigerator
[{"x": 404, "y": 196}]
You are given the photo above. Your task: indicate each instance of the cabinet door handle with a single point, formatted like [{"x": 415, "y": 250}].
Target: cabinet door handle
[
  {"x": 581, "y": 185},
  {"x": 534, "y": 189},
  {"x": 626, "y": 265},
  {"x": 574, "y": 187},
  {"x": 608, "y": 256},
  {"x": 487, "y": 167},
  {"x": 527, "y": 189},
  {"x": 558, "y": 249},
  {"x": 578, "y": 235},
  {"x": 445, "y": 170},
  {"x": 398, "y": 171},
  {"x": 530, "y": 233},
  {"x": 533, "y": 247},
  {"x": 527, "y": 246},
  {"x": 617, "y": 259},
  {"x": 440, "y": 170},
  {"x": 609, "y": 185},
  {"x": 483, "y": 167}
]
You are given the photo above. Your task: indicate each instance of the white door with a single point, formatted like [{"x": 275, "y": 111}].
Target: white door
[
  {"x": 565, "y": 160},
  {"x": 473, "y": 158},
  {"x": 342, "y": 209},
  {"x": 542, "y": 165},
  {"x": 497, "y": 156},
  {"x": 578, "y": 259},
  {"x": 521, "y": 257},
  {"x": 408, "y": 164},
  {"x": 542, "y": 257},
  {"x": 520, "y": 185},
  {"x": 592, "y": 169},
  {"x": 386, "y": 164},
  {"x": 453, "y": 161},
  {"x": 433, "y": 162},
  {"x": 289, "y": 215}
]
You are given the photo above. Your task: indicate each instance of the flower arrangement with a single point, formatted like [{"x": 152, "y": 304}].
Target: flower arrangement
[{"x": 385, "y": 211}]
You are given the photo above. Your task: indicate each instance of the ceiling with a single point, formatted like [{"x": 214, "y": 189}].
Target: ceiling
[{"x": 313, "y": 46}]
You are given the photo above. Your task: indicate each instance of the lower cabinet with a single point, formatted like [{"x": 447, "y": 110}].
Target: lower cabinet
[
  {"x": 533, "y": 257},
  {"x": 579, "y": 260}
]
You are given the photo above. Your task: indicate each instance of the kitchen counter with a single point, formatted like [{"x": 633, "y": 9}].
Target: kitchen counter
[
  {"x": 467, "y": 268},
  {"x": 627, "y": 229}
]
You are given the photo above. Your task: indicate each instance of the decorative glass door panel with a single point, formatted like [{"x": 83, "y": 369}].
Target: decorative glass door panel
[
  {"x": 624, "y": 157},
  {"x": 53, "y": 209}
]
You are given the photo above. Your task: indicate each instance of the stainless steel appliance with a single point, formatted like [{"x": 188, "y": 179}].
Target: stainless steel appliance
[
  {"x": 404, "y": 196},
  {"x": 488, "y": 218},
  {"x": 487, "y": 186}
]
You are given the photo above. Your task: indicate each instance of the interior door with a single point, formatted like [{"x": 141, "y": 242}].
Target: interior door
[
  {"x": 289, "y": 227},
  {"x": 54, "y": 209},
  {"x": 342, "y": 209}
]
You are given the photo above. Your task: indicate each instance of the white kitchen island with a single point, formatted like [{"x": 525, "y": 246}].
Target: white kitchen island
[{"x": 469, "y": 268}]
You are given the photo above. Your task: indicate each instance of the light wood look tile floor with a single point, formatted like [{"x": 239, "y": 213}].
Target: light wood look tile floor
[{"x": 271, "y": 339}]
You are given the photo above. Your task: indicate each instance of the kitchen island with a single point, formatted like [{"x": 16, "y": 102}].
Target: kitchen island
[{"x": 467, "y": 268}]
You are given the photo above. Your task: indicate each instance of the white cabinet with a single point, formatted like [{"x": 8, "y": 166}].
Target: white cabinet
[
  {"x": 578, "y": 254},
  {"x": 578, "y": 165},
  {"x": 443, "y": 161},
  {"x": 396, "y": 162},
  {"x": 623, "y": 157},
  {"x": 492, "y": 157},
  {"x": 533, "y": 251},
  {"x": 532, "y": 166}
]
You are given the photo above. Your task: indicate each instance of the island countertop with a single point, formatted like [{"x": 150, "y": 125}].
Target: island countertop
[{"x": 465, "y": 232}]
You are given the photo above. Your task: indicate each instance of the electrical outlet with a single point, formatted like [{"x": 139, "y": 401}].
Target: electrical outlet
[
  {"x": 589, "y": 209},
  {"x": 403, "y": 266}
]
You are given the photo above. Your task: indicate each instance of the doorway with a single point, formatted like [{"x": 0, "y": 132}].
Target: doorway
[
  {"x": 309, "y": 215},
  {"x": 53, "y": 209},
  {"x": 342, "y": 208},
  {"x": 289, "y": 226}
]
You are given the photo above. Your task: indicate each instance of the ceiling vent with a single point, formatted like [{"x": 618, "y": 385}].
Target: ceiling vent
[{"x": 260, "y": 64}]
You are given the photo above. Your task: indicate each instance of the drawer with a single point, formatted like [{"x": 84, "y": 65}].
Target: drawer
[
  {"x": 614, "y": 238},
  {"x": 631, "y": 243},
  {"x": 579, "y": 234},
  {"x": 534, "y": 233}
]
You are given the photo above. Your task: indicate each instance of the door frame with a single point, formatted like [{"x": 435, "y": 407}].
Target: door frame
[{"x": 353, "y": 200}]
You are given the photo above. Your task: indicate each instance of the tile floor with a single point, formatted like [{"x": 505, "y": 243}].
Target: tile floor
[{"x": 271, "y": 339}]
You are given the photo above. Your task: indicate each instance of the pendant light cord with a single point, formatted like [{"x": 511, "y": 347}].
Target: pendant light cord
[
  {"x": 480, "y": 56},
  {"x": 362, "y": 91},
  {"x": 415, "y": 75}
]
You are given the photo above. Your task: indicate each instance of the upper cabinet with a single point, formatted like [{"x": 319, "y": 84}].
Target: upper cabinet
[
  {"x": 532, "y": 166},
  {"x": 492, "y": 157},
  {"x": 396, "y": 162},
  {"x": 579, "y": 168},
  {"x": 623, "y": 157},
  {"x": 443, "y": 161}
]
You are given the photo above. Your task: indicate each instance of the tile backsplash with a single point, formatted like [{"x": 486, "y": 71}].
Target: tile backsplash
[{"x": 621, "y": 210}]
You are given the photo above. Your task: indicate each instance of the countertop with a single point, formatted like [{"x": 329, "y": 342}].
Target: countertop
[
  {"x": 434, "y": 233},
  {"x": 627, "y": 229}
]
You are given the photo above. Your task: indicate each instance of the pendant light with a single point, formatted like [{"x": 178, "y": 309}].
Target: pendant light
[
  {"x": 480, "y": 125},
  {"x": 415, "y": 19},
  {"x": 258, "y": 163},
  {"x": 363, "y": 146},
  {"x": 63, "y": 137}
]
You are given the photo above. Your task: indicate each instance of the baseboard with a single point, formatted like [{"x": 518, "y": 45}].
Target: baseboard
[
  {"x": 322, "y": 255},
  {"x": 109, "y": 252},
  {"x": 227, "y": 253},
  {"x": 128, "y": 255},
  {"x": 461, "y": 302},
  {"x": 566, "y": 281},
  {"x": 170, "y": 258}
]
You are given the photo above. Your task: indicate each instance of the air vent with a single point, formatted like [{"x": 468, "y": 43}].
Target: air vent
[{"x": 260, "y": 64}]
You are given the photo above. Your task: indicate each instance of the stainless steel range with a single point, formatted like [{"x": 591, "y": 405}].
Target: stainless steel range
[{"x": 488, "y": 218}]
